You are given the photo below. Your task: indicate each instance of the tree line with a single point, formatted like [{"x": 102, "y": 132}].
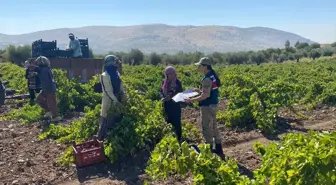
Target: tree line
[
  {"x": 278, "y": 55},
  {"x": 136, "y": 57}
]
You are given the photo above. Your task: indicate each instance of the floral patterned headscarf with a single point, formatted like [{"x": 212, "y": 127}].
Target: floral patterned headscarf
[{"x": 169, "y": 83}]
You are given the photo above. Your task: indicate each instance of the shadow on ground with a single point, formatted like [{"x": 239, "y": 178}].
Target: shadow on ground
[
  {"x": 127, "y": 169},
  {"x": 283, "y": 126},
  {"x": 244, "y": 171}
]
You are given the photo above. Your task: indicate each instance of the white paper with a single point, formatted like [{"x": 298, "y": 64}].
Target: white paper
[{"x": 184, "y": 95}]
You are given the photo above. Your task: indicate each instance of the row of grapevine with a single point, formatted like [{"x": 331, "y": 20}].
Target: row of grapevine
[
  {"x": 254, "y": 95},
  {"x": 298, "y": 159}
]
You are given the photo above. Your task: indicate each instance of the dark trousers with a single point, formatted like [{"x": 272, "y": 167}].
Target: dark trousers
[
  {"x": 33, "y": 92},
  {"x": 106, "y": 124},
  {"x": 173, "y": 116}
]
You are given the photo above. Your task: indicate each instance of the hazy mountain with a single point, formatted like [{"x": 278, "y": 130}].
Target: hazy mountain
[{"x": 163, "y": 38}]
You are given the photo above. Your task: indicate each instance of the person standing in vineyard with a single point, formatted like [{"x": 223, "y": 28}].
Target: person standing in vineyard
[
  {"x": 208, "y": 101},
  {"x": 47, "y": 97},
  {"x": 170, "y": 87},
  {"x": 113, "y": 95},
  {"x": 34, "y": 83}
]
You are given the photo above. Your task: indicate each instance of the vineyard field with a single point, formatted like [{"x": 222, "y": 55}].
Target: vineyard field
[{"x": 277, "y": 123}]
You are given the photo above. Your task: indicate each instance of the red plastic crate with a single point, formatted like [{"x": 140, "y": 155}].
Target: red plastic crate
[{"x": 89, "y": 152}]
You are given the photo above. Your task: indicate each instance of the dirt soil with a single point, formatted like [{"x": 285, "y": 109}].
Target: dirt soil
[{"x": 24, "y": 159}]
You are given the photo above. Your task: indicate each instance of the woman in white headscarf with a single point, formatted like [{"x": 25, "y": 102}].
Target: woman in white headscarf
[{"x": 113, "y": 95}]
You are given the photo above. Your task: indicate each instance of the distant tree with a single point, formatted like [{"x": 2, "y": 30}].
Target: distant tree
[
  {"x": 126, "y": 59},
  {"x": 217, "y": 58},
  {"x": 291, "y": 56},
  {"x": 298, "y": 55},
  {"x": 287, "y": 44},
  {"x": 275, "y": 57},
  {"x": 235, "y": 58},
  {"x": 315, "y": 45},
  {"x": 328, "y": 51},
  {"x": 268, "y": 53},
  {"x": 258, "y": 57},
  {"x": 196, "y": 56},
  {"x": 282, "y": 57},
  {"x": 333, "y": 45},
  {"x": 290, "y": 50},
  {"x": 17, "y": 55},
  {"x": 305, "y": 53},
  {"x": 278, "y": 51},
  {"x": 315, "y": 53},
  {"x": 296, "y": 44},
  {"x": 184, "y": 58},
  {"x": 302, "y": 45},
  {"x": 169, "y": 59},
  {"x": 154, "y": 59},
  {"x": 136, "y": 56}
]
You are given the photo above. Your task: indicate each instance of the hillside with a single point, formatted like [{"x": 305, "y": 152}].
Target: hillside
[{"x": 164, "y": 38}]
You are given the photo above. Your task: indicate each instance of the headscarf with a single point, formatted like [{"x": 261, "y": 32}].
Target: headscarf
[
  {"x": 42, "y": 61},
  {"x": 167, "y": 85},
  {"x": 110, "y": 67},
  {"x": 27, "y": 63}
]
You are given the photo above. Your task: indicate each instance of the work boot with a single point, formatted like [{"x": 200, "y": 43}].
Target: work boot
[
  {"x": 47, "y": 115},
  {"x": 195, "y": 147},
  {"x": 211, "y": 147},
  {"x": 179, "y": 141},
  {"x": 103, "y": 128},
  {"x": 56, "y": 119},
  {"x": 219, "y": 151},
  {"x": 31, "y": 102}
]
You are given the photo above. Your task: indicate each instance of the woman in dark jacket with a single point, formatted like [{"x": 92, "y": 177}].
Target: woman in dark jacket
[
  {"x": 47, "y": 97},
  {"x": 170, "y": 87}
]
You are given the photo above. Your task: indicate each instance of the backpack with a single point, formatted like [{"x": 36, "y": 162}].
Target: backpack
[{"x": 98, "y": 88}]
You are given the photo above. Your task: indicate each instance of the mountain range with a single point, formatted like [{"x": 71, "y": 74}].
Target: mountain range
[{"x": 163, "y": 38}]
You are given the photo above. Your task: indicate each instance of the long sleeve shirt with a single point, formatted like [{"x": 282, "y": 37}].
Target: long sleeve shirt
[
  {"x": 108, "y": 96},
  {"x": 75, "y": 47},
  {"x": 178, "y": 89},
  {"x": 47, "y": 81}
]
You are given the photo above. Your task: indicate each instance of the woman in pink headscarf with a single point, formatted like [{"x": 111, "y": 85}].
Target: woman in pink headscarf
[{"x": 170, "y": 87}]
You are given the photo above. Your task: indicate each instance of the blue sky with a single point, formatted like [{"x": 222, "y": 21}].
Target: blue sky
[{"x": 315, "y": 20}]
